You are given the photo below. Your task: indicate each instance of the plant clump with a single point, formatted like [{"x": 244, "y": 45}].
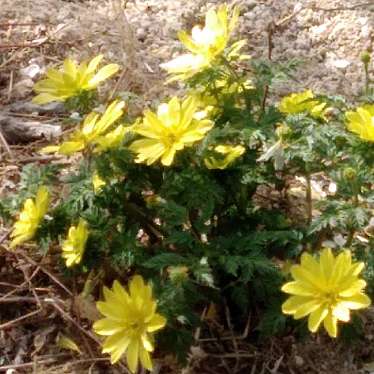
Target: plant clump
[{"x": 171, "y": 204}]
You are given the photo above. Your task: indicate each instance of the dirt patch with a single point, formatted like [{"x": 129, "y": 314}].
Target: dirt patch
[{"x": 328, "y": 36}]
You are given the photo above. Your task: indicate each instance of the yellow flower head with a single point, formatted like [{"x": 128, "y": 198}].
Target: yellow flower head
[
  {"x": 205, "y": 44},
  {"x": 361, "y": 122},
  {"x": 112, "y": 139},
  {"x": 97, "y": 182},
  {"x": 73, "y": 247},
  {"x": 212, "y": 103},
  {"x": 229, "y": 153},
  {"x": 91, "y": 132},
  {"x": 326, "y": 290},
  {"x": 71, "y": 80},
  {"x": 129, "y": 323},
  {"x": 175, "y": 126},
  {"x": 303, "y": 102},
  {"x": 32, "y": 213}
]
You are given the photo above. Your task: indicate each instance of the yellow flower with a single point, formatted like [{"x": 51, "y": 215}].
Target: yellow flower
[
  {"x": 97, "y": 182},
  {"x": 112, "y": 139},
  {"x": 93, "y": 128},
  {"x": 229, "y": 152},
  {"x": 175, "y": 126},
  {"x": 361, "y": 122},
  {"x": 71, "y": 80},
  {"x": 205, "y": 44},
  {"x": 32, "y": 213},
  {"x": 325, "y": 290},
  {"x": 223, "y": 87},
  {"x": 302, "y": 102},
  {"x": 73, "y": 247},
  {"x": 129, "y": 323}
]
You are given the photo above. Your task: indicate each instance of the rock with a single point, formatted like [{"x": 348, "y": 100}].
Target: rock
[
  {"x": 29, "y": 107},
  {"x": 30, "y": 71},
  {"x": 141, "y": 34},
  {"x": 21, "y": 89},
  {"x": 340, "y": 63},
  {"x": 299, "y": 361},
  {"x": 17, "y": 130}
]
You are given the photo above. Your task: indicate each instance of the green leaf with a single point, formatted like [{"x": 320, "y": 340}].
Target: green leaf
[{"x": 162, "y": 260}]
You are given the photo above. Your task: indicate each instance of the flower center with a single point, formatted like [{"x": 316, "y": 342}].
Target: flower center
[
  {"x": 170, "y": 139},
  {"x": 330, "y": 298},
  {"x": 137, "y": 327}
]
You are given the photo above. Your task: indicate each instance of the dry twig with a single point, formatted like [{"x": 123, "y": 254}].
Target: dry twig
[{"x": 45, "y": 271}]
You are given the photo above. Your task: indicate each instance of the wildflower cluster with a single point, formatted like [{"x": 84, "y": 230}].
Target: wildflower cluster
[{"x": 183, "y": 196}]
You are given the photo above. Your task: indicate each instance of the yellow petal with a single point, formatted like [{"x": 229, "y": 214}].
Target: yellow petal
[
  {"x": 50, "y": 149},
  {"x": 341, "y": 312},
  {"x": 54, "y": 75},
  {"x": 293, "y": 303},
  {"x": 113, "y": 112},
  {"x": 357, "y": 268},
  {"x": 147, "y": 342},
  {"x": 330, "y": 324},
  {"x": 110, "y": 310},
  {"x": 147, "y": 149},
  {"x": 70, "y": 68},
  {"x": 188, "y": 42},
  {"x": 133, "y": 355},
  {"x": 103, "y": 74},
  {"x": 93, "y": 64},
  {"x": 136, "y": 285},
  {"x": 316, "y": 317},
  {"x": 358, "y": 301},
  {"x": 120, "y": 291},
  {"x": 45, "y": 97},
  {"x": 156, "y": 323},
  {"x": 42, "y": 200},
  {"x": 307, "y": 308},
  {"x": 107, "y": 327},
  {"x": 234, "y": 19},
  {"x": 20, "y": 239},
  {"x": 168, "y": 156},
  {"x": 356, "y": 287},
  {"x": 112, "y": 341},
  {"x": 145, "y": 359},
  {"x": 342, "y": 265},
  {"x": 299, "y": 288},
  {"x": 68, "y": 148},
  {"x": 119, "y": 348},
  {"x": 303, "y": 275},
  {"x": 327, "y": 263}
]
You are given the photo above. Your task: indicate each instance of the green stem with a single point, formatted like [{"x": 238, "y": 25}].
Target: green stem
[
  {"x": 367, "y": 79},
  {"x": 352, "y": 231},
  {"x": 142, "y": 217},
  {"x": 91, "y": 282},
  {"x": 309, "y": 202},
  {"x": 350, "y": 237},
  {"x": 237, "y": 78}
]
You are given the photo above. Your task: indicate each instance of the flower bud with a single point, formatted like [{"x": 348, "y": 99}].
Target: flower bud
[
  {"x": 177, "y": 274},
  {"x": 283, "y": 130},
  {"x": 349, "y": 174},
  {"x": 365, "y": 57}
]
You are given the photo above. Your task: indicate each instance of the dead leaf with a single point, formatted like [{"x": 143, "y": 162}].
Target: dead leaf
[
  {"x": 86, "y": 307},
  {"x": 65, "y": 342}
]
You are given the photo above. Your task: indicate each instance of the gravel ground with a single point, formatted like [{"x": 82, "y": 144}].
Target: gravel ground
[{"x": 327, "y": 35}]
